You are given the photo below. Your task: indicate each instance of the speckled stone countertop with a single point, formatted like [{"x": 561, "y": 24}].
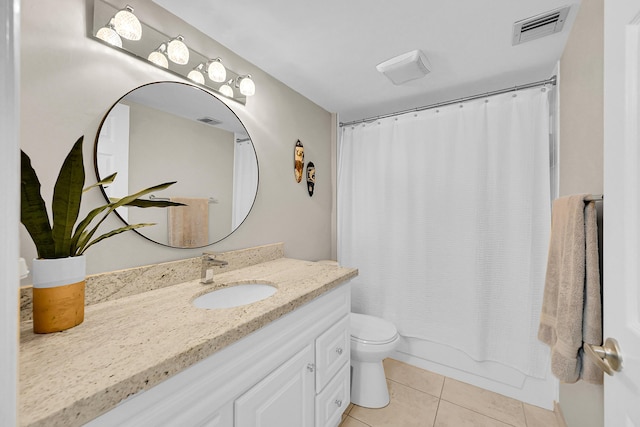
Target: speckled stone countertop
[{"x": 133, "y": 343}]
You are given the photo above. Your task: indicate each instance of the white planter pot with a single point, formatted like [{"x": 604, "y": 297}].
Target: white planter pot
[{"x": 58, "y": 293}]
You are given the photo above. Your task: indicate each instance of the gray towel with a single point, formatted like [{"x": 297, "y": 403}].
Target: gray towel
[{"x": 572, "y": 307}]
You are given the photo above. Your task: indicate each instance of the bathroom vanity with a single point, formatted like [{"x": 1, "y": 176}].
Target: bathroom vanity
[{"x": 154, "y": 359}]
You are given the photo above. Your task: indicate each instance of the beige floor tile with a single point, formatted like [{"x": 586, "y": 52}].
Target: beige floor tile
[
  {"x": 450, "y": 415},
  {"x": 539, "y": 417},
  {"x": 352, "y": 422},
  {"x": 413, "y": 377},
  {"x": 485, "y": 402},
  {"x": 346, "y": 411},
  {"x": 408, "y": 408}
]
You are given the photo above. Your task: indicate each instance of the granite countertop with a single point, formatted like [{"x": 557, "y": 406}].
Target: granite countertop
[{"x": 133, "y": 343}]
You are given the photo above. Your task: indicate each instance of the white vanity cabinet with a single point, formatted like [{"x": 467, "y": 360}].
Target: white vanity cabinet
[{"x": 293, "y": 372}]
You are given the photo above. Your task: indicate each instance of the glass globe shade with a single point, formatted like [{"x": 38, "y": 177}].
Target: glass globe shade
[
  {"x": 178, "y": 51},
  {"x": 127, "y": 24},
  {"x": 247, "y": 87},
  {"x": 110, "y": 36},
  {"x": 226, "y": 90},
  {"x": 196, "y": 76},
  {"x": 158, "y": 58},
  {"x": 216, "y": 71}
]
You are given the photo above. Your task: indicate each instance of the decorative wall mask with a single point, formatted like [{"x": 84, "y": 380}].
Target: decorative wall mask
[
  {"x": 298, "y": 160},
  {"x": 311, "y": 177}
]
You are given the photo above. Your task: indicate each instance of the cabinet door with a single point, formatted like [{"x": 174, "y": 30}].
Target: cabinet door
[{"x": 284, "y": 398}]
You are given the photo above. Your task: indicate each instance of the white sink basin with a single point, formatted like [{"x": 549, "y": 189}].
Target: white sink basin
[{"x": 235, "y": 295}]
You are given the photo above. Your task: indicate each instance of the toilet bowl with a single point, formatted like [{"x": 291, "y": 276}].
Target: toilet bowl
[{"x": 372, "y": 339}]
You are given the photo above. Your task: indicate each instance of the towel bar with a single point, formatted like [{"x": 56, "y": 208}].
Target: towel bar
[
  {"x": 167, "y": 199},
  {"x": 594, "y": 198}
]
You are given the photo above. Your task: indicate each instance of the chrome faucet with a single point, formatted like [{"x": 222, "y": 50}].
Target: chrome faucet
[{"x": 208, "y": 261}]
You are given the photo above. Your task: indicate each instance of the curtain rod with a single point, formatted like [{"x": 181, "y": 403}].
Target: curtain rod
[{"x": 550, "y": 81}]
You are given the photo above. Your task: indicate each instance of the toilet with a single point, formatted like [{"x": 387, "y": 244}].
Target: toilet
[{"x": 372, "y": 339}]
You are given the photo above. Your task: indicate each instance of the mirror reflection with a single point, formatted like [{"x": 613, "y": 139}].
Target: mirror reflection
[{"x": 169, "y": 131}]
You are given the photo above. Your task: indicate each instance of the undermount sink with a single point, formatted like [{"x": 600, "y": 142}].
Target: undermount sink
[{"x": 235, "y": 295}]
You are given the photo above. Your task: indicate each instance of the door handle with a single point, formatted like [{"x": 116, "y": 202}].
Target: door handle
[{"x": 607, "y": 357}]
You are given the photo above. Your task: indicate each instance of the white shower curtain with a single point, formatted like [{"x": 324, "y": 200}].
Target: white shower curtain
[
  {"x": 446, "y": 214},
  {"x": 245, "y": 181}
]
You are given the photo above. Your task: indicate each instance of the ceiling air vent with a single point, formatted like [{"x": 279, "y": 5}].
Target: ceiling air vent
[
  {"x": 539, "y": 25},
  {"x": 209, "y": 120}
]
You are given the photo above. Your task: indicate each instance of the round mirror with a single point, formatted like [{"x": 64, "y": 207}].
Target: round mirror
[{"x": 169, "y": 131}]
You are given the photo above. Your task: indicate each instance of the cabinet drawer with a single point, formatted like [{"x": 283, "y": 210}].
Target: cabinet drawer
[
  {"x": 333, "y": 348},
  {"x": 334, "y": 399}
]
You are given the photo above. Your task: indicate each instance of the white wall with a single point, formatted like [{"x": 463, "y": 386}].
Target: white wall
[
  {"x": 69, "y": 81},
  {"x": 9, "y": 208}
]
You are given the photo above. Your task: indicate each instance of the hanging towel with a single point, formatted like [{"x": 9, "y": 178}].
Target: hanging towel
[
  {"x": 572, "y": 306},
  {"x": 189, "y": 225}
]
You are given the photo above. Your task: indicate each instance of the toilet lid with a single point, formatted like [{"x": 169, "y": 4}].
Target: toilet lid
[{"x": 371, "y": 329}]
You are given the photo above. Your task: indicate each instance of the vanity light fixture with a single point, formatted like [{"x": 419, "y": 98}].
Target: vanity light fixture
[
  {"x": 226, "y": 89},
  {"x": 109, "y": 34},
  {"x": 196, "y": 74},
  {"x": 159, "y": 56},
  {"x": 172, "y": 54},
  {"x": 177, "y": 51},
  {"x": 246, "y": 85},
  {"x": 216, "y": 70},
  {"x": 127, "y": 24}
]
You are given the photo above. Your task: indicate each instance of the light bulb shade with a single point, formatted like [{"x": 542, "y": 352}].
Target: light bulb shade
[
  {"x": 110, "y": 36},
  {"x": 196, "y": 76},
  {"x": 226, "y": 90},
  {"x": 127, "y": 24},
  {"x": 216, "y": 71},
  {"x": 247, "y": 86},
  {"x": 159, "y": 59},
  {"x": 178, "y": 51}
]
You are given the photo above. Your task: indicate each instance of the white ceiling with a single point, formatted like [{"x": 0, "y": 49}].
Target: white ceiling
[{"x": 328, "y": 50}]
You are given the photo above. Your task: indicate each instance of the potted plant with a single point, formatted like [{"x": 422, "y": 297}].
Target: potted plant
[{"x": 59, "y": 270}]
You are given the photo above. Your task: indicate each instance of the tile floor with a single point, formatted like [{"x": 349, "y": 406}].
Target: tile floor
[{"x": 423, "y": 399}]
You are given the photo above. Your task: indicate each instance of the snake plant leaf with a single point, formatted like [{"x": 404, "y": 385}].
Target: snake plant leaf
[
  {"x": 82, "y": 225},
  {"x": 128, "y": 199},
  {"x": 144, "y": 203},
  {"x": 107, "y": 180},
  {"x": 67, "y": 195},
  {"x": 121, "y": 202},
  {"x": 33, "y": 212},
  {"x": 113, "y": 233}
]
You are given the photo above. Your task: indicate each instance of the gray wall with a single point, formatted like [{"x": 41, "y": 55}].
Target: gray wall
[
  {"x": 69, "y": 81},
  {"x": 581, "y": 160}
]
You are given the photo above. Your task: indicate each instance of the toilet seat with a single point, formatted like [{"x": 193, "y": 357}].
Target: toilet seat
[{"x": 371, "y": 330}]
